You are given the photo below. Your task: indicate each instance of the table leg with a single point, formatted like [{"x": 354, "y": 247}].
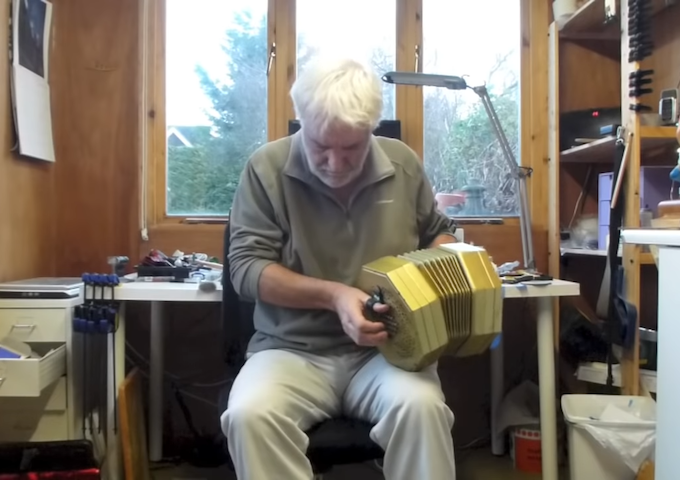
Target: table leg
[
  {"x": 497, "y": 387},
  {"x": 546, "y": 376},
  {"x": 156, "y": 369},
  {"x": 116, "y": 372}
]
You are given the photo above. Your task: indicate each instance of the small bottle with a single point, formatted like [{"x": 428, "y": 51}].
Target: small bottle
[
  {"x": 646, "y": 222},
  {"x": 646, "y": 217}
]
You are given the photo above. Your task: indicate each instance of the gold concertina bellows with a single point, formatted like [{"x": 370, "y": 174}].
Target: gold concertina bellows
[{"x": 445, "y": 300}]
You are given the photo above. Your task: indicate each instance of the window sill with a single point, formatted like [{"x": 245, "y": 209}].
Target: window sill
[
  {"x": 503, "y": 242},
  {"x": 168, "y": 237}
]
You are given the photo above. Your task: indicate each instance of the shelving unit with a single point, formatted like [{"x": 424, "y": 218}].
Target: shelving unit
[
  {"x": 589, "y": 69},
  {"x": 589, "y": 21}
]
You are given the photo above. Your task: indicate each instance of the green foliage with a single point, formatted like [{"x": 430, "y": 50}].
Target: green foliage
[
  {"x": 461, "y": 147},
  {"x": 202, "y": 179},
  {"x": 459, "y": 142}
]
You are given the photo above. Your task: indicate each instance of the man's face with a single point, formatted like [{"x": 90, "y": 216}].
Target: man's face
[{"x": 337, "y": 155}]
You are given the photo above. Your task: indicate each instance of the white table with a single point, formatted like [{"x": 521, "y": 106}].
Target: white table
[
  {"x": 545, "y": 329},
  {"x": 668, "y": 353},
  {"x": 158, "y": 293}
]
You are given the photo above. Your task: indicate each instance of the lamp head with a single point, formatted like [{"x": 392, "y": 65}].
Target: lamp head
[{"x": 425, "y": 80}]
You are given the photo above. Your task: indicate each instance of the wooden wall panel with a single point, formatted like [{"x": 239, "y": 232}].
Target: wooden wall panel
[
  {"x": 95, "y": 98},
  {"x": 588, "y": 79},
  {"x": 26, "y": 193},
  {"x": 666, "y": 58}
]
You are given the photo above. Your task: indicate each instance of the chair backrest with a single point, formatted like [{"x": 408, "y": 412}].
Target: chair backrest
[
  {"x": 386, "y": 128},
  {"x": 237, "y": 315}
]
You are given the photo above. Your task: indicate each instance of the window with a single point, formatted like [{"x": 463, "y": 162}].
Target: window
[
  {"x": 216, "y": 99},
  {"x": 361, "y": 29},
  {"x": 461, "y": 155},
  {"x": 220, "y": 94}
]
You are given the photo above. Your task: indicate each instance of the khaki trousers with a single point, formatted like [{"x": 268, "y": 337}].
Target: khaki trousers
[{"x": 278, "y": 394}]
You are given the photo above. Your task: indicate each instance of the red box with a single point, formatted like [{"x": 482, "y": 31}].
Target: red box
[{"x": 67, "y": 460}]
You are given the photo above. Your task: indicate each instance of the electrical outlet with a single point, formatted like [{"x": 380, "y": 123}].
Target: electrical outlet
[{"x": 668, "y": 106}]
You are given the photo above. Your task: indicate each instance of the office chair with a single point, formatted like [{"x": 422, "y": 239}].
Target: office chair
[
  {"x": 386, "y": 128},
  {"x": 337, "y": 441}
]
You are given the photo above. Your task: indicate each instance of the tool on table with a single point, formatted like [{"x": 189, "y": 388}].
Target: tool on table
[
  {"x": 118, "y": 264},
  {"x": 528, "y": 278},
  {"x": 95, "y": 320},
  {"x": 179, "y": 267}
]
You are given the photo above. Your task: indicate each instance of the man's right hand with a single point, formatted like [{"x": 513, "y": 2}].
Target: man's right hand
[{"x": 348, "y": 303}]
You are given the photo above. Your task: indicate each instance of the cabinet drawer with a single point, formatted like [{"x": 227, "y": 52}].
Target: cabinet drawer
[
  {"x": 34, "y": 324},
  {"x": 28, "y": 377},
  {"x": 33, "y": 419},
  {"x": 23, "y": 427},
  {"x": 51, "y": 399}
]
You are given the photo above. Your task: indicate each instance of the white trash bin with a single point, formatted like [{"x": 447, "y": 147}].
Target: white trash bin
[{"x": 609, "y": 435}]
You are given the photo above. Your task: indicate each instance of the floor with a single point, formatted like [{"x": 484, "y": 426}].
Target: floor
[{"x": 473, "y": 465}]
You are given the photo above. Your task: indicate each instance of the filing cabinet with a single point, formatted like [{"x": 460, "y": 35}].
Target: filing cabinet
[{"x": 38, "y": 400}]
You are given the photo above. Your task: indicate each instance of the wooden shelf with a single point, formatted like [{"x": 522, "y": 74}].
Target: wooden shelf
[
  {"x": 646, "y": 258},
  {"x": 583, "y": 252},
  {"x": 596, "y": 372},
  {"x": 599, "y": 151},
  {"x": 602, "y": 150},
  {"x": 660, "y": 134},
  {"x": 588, "y": 22}
]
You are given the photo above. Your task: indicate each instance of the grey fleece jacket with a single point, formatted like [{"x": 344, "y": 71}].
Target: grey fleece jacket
[{"x": 282, "y": 213}]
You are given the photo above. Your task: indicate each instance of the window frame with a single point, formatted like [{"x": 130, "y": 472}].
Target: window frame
[{"x": 535, "y": 18}]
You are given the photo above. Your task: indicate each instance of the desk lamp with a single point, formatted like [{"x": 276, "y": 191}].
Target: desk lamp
[{"x": 519, "y": 173}]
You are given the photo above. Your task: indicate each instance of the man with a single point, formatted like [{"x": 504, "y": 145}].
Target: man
[{"x": 311, "y": 209}]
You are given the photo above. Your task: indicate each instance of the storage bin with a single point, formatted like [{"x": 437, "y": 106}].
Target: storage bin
[{"x": 588, "y": 458}]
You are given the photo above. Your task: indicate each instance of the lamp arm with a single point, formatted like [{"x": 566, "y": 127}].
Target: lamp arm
[{"x": 518, "y": 172}]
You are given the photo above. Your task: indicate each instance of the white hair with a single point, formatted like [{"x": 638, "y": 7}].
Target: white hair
[{"x": 337, "y": 90}]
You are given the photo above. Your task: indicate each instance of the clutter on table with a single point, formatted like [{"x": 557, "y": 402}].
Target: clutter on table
[{"x": 156, "y": 266}]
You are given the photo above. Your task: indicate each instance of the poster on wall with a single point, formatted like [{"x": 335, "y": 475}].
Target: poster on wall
[{"x": 31, "y": 26}]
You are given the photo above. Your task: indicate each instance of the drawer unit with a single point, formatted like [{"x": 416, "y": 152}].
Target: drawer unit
[
  {"x": 29, "y": 377},
  {"x": 34, "y": 324},
  {"x": 40, "y": 398}
]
